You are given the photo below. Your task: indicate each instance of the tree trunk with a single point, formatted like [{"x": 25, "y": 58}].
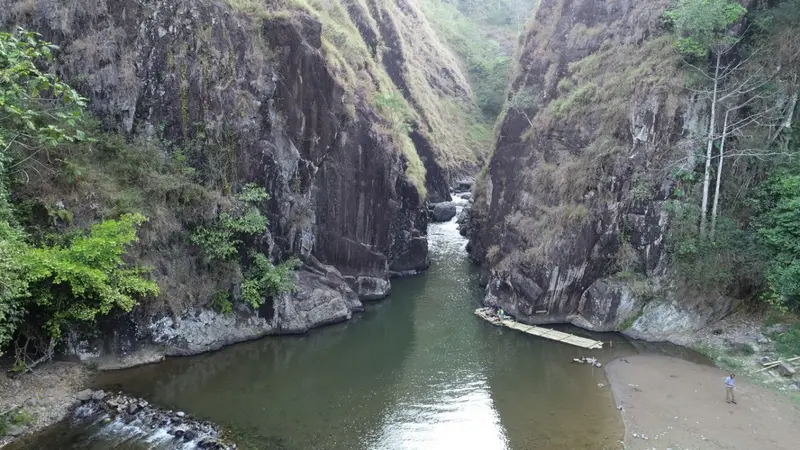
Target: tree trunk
[
  {"x": 709, "y": 149},
  {"x": 719, "y": 176}
]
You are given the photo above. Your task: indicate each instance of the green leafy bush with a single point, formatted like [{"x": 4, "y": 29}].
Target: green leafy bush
[
  {"x": 48, "y": 284},
  {"x": 703, "y": 24},
  {"x": 221, "y": 239},
  {"x": 86, "y": 278},
  {"x": 732, "y": 257},
  {"x": 779, "y": 232},
  {"x": 265, "y": 279},
  {"x": 221, "y": 302},
  {"x": 788, "y": 343}
]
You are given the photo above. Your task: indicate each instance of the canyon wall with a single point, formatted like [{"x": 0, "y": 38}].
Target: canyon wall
[
  {"x": 571, "y": 213},
  {"x": 282, "y": 94}
]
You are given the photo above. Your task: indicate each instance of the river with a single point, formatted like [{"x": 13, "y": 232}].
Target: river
[{"x": 415, "y": 371}]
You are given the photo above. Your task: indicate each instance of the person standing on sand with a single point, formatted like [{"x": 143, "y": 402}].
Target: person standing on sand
[{"x": 729, "y": 383}]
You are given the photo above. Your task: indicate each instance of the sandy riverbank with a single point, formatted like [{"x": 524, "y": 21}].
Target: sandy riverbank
[
  {"x": 681, "y": 405},
  {"x": 46, "y": 396}
]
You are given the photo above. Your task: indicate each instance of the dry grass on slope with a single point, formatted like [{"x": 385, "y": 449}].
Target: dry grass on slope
[
  {"x": 583, "y": 115},
  {"x": 438, "y": 97}
]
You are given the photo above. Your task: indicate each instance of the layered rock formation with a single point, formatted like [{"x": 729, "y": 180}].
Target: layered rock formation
[
  {"x": 276, "y": 93},
  {"x": 571, "y": 214}
]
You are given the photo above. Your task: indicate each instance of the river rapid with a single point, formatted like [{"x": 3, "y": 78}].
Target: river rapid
[{"x": 415, "y": 371}]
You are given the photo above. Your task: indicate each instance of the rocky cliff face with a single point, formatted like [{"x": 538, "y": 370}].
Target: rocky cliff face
[
  {"x": 255, "y": 92},
  {"x": 571, "y": 214}
]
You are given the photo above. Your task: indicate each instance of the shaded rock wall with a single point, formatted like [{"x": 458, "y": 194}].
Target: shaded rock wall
[
  {"x": 248, "y": 98},
  {"x": 570, "y": 216}
]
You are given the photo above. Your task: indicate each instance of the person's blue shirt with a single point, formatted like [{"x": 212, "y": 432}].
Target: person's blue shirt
[{"x": 729, "y": 382}]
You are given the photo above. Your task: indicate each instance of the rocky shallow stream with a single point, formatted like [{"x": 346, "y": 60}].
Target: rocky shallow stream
[{"x": 105, "y": 407}]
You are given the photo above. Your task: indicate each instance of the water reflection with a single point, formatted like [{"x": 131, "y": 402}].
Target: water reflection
[{"x": 416, "y": 371}]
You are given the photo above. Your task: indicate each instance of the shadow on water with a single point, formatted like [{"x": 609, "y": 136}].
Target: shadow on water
[{"x": 416, "y": 371}]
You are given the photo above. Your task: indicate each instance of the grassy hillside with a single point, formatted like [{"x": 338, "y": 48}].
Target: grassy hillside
[
  {"x": 386, "y": 48},
  {"x": 484, "y": 36}
]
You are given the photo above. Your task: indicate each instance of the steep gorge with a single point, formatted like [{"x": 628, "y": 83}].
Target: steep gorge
[
  {"x": 289, "y": 95},
  {"x": 571, "y": 214}
]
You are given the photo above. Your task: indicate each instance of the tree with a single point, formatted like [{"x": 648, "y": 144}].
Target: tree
[
  {"x": 36, "y": 111},
  {"x": 779, "y": 230},
  {"x": 703, "y": 28},
  {"x": 46, "y": 288}
]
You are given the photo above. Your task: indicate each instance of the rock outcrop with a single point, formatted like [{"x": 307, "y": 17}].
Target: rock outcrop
[
  {"x": 443, "y": 212},
  {"x": 267, "y": 94},
  {"x": 139, "y": 414},
  {"x": 570, "y": 218}
]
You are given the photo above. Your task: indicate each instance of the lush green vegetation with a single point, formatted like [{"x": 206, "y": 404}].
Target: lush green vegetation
[
  {"x": 483, "y": 34},
  {"x": 788, "y": 343},
  {"x": 778, "y": 229},
  {"x": 223, "y": 240},
  {"x": 48, "y": 282},
  {"x": 16, "y": 416},
  {"x": 703, "y": 25},
  {"x": 750, "y": 245},
  {"x": 73, "y": 202},
  {"x": 266, "y": 280}
]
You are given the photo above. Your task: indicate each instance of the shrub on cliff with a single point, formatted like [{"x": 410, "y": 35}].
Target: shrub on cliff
[{"x": 223, "y": 240}]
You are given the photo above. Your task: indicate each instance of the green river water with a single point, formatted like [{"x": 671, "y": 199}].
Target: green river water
[{"x": 415, "y": 371}]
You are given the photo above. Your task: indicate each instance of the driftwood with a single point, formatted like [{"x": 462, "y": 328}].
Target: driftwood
[{"x": 773, "y": 364}]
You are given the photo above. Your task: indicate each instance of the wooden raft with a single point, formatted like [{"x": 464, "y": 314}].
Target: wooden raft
[{"x": 554, "y": 335}]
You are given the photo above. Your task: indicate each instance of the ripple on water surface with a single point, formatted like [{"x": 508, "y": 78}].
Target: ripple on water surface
[{"x": 416, "y": 371}]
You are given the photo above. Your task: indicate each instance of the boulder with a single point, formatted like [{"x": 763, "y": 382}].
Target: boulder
[
  {"x": 84, "y": 395},
  {"x": 443, "y": 212},
  {"x": 15, "y": 430},
  {"x": 786, "y": 369},
  {"x": 464, "y": 184},
  {"x": 778, "y": 328},
  {"x": 762, "y": 340},
  {"x": 98, "y": 395}
]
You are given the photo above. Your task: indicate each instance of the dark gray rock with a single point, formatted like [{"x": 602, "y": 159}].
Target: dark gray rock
[
  {"x": 339, "y": 187},
  {"x": 443, "y": 212},
  {"x": 552, "y": 253},
  {"x": 464, "y": 184}
]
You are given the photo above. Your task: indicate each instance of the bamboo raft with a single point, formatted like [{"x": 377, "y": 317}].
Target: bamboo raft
[{"x": 553, "y": 335}]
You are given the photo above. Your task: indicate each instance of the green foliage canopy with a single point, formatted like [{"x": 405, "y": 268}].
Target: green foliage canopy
[
  {"x": 703, "y": 25},
  {"x": 265, "y": 279},
  {"x": 88, "y": 277},
  {"x": 47, "y": 287},
  {"x": 221, "y": 239},
  {"x": 779, "y": 231}
]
